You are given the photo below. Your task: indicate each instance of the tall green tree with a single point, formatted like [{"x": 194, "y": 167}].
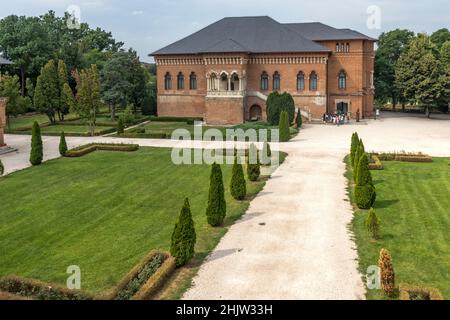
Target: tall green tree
[
  {"x": 63, "y": 107},
  {"x": 16, "y": 104},
  {"x": 439, "y": 37},
  {"x": 183, "y": 236},
  {"x": 390, "y": 46},
  {"x": 419, "y": 75},
  {"x": 216, "y": 208},
  {"x": 238, "y": 186},
  {"x": 37, "y": 152},
  {"x": 46, "y": 93},
  {"x": 87, "y": 102}
]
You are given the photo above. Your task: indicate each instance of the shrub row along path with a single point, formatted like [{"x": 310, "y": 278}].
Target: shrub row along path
[{"x": 293, "y": 242}]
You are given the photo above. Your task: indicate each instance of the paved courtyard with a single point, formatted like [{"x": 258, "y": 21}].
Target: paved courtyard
[{"x": 293, "y": 243}]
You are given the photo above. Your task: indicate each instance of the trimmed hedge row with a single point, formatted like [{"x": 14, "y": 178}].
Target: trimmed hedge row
[
  {"x": 151, "y": 284},
  {"x": 410, "y": 292},
  {"x": 70, "y": 134},
  {"x": 375, "y": 163},
  {"x": 35, "y": 289},
  {"x": 176, "y": 119},
  {"x": 88, "y": 148},
  {"x": 406, "y": 157}
]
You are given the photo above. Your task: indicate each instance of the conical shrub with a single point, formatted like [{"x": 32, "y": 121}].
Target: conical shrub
[
  {"x": 266, "y": 154},
  {"x": 387, "y": 274},
  {"x": 283, "y": 127},
  {"x": 62, "y": 144},
  {"x": 253, "y": 165},
  {"x": 365, "y": 193},
  {"x": 216, "y": 209},
  {"x": 360, "y": 150},
  {"x": 373, "y": 224},
  {"x": 120, "y": 126},
  {"x": 238, "y": 187},
  {"x": 36, "y": 153},
  {"x": 2, "y": 168},
  {"x": 298, "y": 120},
  {"x": 363, "y": 175},
  {"x": 183, "y": 236},
  {"x": 354, "y": 147}
]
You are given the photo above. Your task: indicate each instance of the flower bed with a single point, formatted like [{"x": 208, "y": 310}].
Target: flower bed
[
  {"x": 88, "y": 148},
  {"x": 144, "y": 279},
  {"x": 410, "y": 292},
  {"x": 30, "y": 288}
]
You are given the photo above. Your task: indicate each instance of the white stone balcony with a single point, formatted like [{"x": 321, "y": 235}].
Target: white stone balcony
[{"x": 226, "y": 93}]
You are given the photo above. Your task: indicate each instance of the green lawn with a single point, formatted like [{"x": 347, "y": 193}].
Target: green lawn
[
  {"x": 413, "y": 204},
  {"x": 28, "y": 120},
  {"x": 102, "y": 212}
]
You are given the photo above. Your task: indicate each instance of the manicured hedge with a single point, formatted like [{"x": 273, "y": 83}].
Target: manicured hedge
[
  {"x": 375, "y": 163},
  {"x": 150, "y": 285},
  {"x": 88, "y": 148},
  {"x": 406, "y": 157},
  {"x": 39, "y": 290},
  {"x": 176, "y": 119},
  {"x": 410, "y": 292},
  {"x": 70, "y": 134}
]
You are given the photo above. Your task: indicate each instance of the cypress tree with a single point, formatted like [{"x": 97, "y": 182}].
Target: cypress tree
[
  {"x": 183, "y": 236},
  {"x": 266, "y": 154},
  {"x": 387, "y": 274},
  {"x": 36, "y": 153},
  {"x": 238, "y": 185},
  {"x": 365, "y": 193},
  {"x": 62, "y": 144},
  {"x": 354, "y": 147},
  {"x": 360, "y": 150},
  {"x": 283, "y": 127},
  {"x": 253, "y": 165},
  {"x": 299, "y": 121},
  {"x": 217, "y": 207},
  {"x": 373, "y": 224},
  {"x": 120, "y": 127},
  {"x": 2, "y": 168}
]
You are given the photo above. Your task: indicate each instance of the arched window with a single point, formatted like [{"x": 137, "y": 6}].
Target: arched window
[
  {"x": 342, "y": 80},
  {"x": 300, "y": 81},
  {"x": 264, "y": 81},
  {"x": 193, "y": 81},
  {"x": 342, "y": 47},
  {"x": 276, "y": 81},
  {"x": 313, "y": 81},
  {"x": 213, "y": 83},
  {"x": 180, "y": 81},
  {"x": 167, "y": 81},
  {"x": 347, "y": 47},
  {"x": 337, "y": 47}
]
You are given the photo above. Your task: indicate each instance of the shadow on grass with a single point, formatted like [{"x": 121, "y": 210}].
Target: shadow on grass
[{"x": 382, "y": 204}]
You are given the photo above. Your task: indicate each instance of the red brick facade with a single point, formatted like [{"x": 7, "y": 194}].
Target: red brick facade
[
  {"x": 2, "y": 120},
  {"x": 229, "y": 87}
]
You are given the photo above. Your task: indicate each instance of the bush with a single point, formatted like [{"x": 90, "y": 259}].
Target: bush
[
  {"x": 276, "y": 103},
  {"x": 363, "y": 175},
  {"x": 183, "y": 236},
  {"x": 387, "y": 275},
  {"x": 373, "y": 224},
  {"x": 36, "y": 154},
  {"x": 2, "y": 168},
  {"x": 216, "y": 209},
  {"x": 353, "y": 148},
  {"x": 253, "y": 166},
  {"x": 358, "y": 153},
  {"x": 266, "y": 154},
  {"x": 120, "y": 126},
  {"x": 284, "y": 127},
  {"x": 238, "y": 187},
  {"x": 365, "y": 196},
  {"x": 375, "y": 163},
  {"x": 62, "y": 144},
  {"x": 299, "y": 120},
  {"x": 128, "y": 116}
]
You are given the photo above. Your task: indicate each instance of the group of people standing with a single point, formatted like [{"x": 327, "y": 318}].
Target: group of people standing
[{"x": 337, "y": 118}]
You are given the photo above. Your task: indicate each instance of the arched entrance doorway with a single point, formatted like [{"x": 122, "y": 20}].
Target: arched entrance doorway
[
  {"x": 255, "y": 113},
  {"x": 342, "y": 107}
]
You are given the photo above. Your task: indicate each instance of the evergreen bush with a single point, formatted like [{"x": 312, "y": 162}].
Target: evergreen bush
[
  {"x": 183, "y": 236},
  {"x": 36, "y": 153},
  {"x": 62, "y": 144},
  {"x": 120, "y": 126},
  {"x": 216, "y": 209},
  {"x": 253, "y": 165},
  {"x": 284, "y": 127},
  {"x": 238, "y": 185},
  {"x": 373, "y": 224},
  {"x": 387, "y": 274}
]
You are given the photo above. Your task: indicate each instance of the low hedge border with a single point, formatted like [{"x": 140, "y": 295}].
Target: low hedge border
[
  {"x": 36, "y": 289},
  {"x": 375, "y": 164},
  {"x": 175, "y": 119},
  {"x": 411, "y": 292},
  {"x": 88, "y": 148},
  {"x": 70, "y": 134},
  {"x": 151, "y": 285},
  {"x": 405, "y": 157}
]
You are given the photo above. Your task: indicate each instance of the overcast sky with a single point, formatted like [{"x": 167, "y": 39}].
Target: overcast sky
[{"x": 149, "y": 25}]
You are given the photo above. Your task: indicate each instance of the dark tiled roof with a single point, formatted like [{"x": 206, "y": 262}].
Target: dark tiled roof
[
  {"x": 243, "y": 34},
  {"x": 4, "y": 61},
  {"x": 317, "y": 31}
]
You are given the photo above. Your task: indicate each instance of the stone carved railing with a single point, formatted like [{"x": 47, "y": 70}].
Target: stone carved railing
[{"x": 226, "y": 94}]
